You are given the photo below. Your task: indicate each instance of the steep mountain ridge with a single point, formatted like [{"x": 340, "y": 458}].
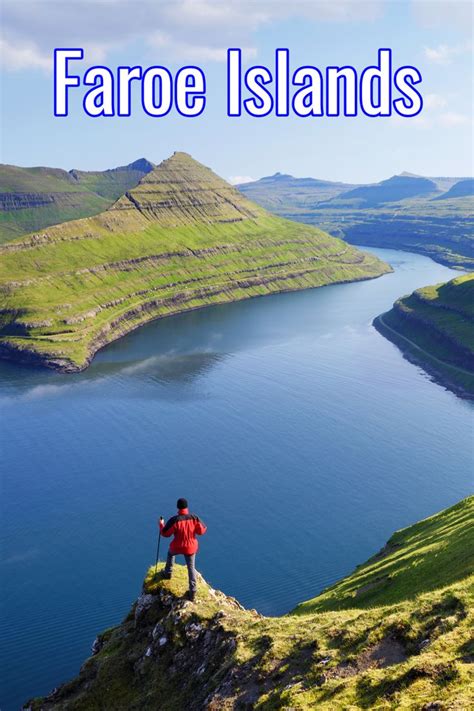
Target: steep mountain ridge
[
  {"x": 184, "y": 191},
  {"x": 396, "y": 634},
  {"x": 182, "y": 239}
]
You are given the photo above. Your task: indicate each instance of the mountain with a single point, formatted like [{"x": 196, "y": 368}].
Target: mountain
[
  {"x": 278, "y": 190},
  {"x": 396, "y": 634},
  {"x": 404, "y": 212},
  {"x": 34, "y": 198},
  {"x": 434, "y": 327},
  {"x": 182, "y": 239},
  {"x": 463, "y": 188},
  {"x": 398, "y": 187}
]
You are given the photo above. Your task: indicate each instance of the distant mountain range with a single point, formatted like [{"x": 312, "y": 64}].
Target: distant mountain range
[
  {"x": 34, "y": 198},
  {"x": 432, "y": 216},
  {"x": 398, "y": 187}
]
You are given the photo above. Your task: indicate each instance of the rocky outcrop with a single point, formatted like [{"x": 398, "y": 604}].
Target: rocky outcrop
[
  {"x": 163, "y": 637},
  {"x": 21, "y": 201},
  {"x": 403, "y": 644}
]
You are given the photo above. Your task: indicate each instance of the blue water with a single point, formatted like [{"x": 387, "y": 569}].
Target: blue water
[{"x": 300, "y": 435}]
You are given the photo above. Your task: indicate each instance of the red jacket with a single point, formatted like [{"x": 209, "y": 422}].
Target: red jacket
[{"x": 184, "y": 528}]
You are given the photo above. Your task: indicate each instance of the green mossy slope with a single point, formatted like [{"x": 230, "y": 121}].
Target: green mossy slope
[
  {"x": 407, "y": 645},
  {"x": 434, "y": 327},
  {"x": 34, "y": 198},
  {"x": 432, "y": 553},
  {"x": 182, "y": 239}
]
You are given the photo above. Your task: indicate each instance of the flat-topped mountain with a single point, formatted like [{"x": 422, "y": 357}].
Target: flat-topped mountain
[
  {"x": 398, "y": 187},
  {"x": 396, "y": 634},
  {"x": 276, "y": 191},
  {"x": 34, "y": 198},
  {"x": 182, "y": 239}
]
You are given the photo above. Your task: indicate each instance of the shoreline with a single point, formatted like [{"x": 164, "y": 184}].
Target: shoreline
[
  {"x": 34, "y": 359},
  {"x": 433, "y": 366}
]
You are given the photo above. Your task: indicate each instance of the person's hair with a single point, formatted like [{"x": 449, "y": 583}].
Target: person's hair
[{"x": 182, "y": 504}]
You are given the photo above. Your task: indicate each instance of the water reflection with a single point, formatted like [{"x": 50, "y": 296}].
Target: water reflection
[{"x": 167, "y": 375}]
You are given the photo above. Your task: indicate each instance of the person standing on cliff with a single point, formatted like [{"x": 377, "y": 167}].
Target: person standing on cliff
[{"x": 184, "y": 527}]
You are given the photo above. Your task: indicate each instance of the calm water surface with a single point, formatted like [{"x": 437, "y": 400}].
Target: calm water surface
[{"x": 300, "y": 435}]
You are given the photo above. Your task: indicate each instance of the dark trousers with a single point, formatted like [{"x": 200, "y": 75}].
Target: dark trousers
[{"x": 191, "y": 569}]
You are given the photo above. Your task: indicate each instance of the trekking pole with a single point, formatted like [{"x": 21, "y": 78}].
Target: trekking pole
[{"x": 158, "y": 551}]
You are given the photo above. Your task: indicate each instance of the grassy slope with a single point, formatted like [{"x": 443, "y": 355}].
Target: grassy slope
[
  {"x": 441, "y": 229},
  {"x": 183, "y": 238},
  {"x": 34, "y": 198},
  {"x": 362, "y": 644},
  {"x": 439, "y": 320}
]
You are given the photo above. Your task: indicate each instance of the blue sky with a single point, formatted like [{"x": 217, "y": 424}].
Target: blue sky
[{"x": 433, "y": 35}]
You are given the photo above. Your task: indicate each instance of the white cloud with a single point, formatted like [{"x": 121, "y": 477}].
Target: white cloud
[
  {"x": 456, "y": 14},
  {"x": 418, "y": 121},
  {"x": 444, "y": 54},
  {"x": 452, "y": 118},
  {"x": 238, "y": 179},
  {"x": 435, "y": 113},
  {"x": 24, "y": 57},
  {"x": 198, "y": 30},
  {"x": 433, "y": 101}
]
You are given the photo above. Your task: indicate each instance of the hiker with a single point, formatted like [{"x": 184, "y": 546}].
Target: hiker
[{"x": 184, "y": 527}]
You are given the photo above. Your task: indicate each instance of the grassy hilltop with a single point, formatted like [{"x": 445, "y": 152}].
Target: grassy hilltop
[
  {"x": 34, "y": 198},
  {"x": 434, "y": 326},
  {"x": 182, "y": 239},
  {"x": 396, "y": 634},
  {"x": 431, "y": 216}
]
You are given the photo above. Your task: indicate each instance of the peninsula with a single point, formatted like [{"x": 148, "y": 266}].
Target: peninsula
[{"x": 182, "y": 239}]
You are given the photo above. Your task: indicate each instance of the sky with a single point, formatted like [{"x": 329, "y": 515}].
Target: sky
[{"x": 435, "y": 36}]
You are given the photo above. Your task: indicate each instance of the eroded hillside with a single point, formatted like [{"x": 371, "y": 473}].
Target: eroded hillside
[{"x": 182, "y": 239}]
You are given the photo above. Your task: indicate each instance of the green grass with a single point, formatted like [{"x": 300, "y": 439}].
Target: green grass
[
  {"x": 66, "y": 206},
  {"x": 435, "y": 326},
  {"x": 401, "y": 645},
  {"x": 432, "y": 553},
  {"x": 181, "y": 240},
  {"x": 34, "y": 198}
]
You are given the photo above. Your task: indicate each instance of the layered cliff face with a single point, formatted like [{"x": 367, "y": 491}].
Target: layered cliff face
[
  {"x": 434, "y": 327},
  {"x": 34, "y": 198},
  {"x": 396, "y": 634},
  {"x": 182, "y": 239}
]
